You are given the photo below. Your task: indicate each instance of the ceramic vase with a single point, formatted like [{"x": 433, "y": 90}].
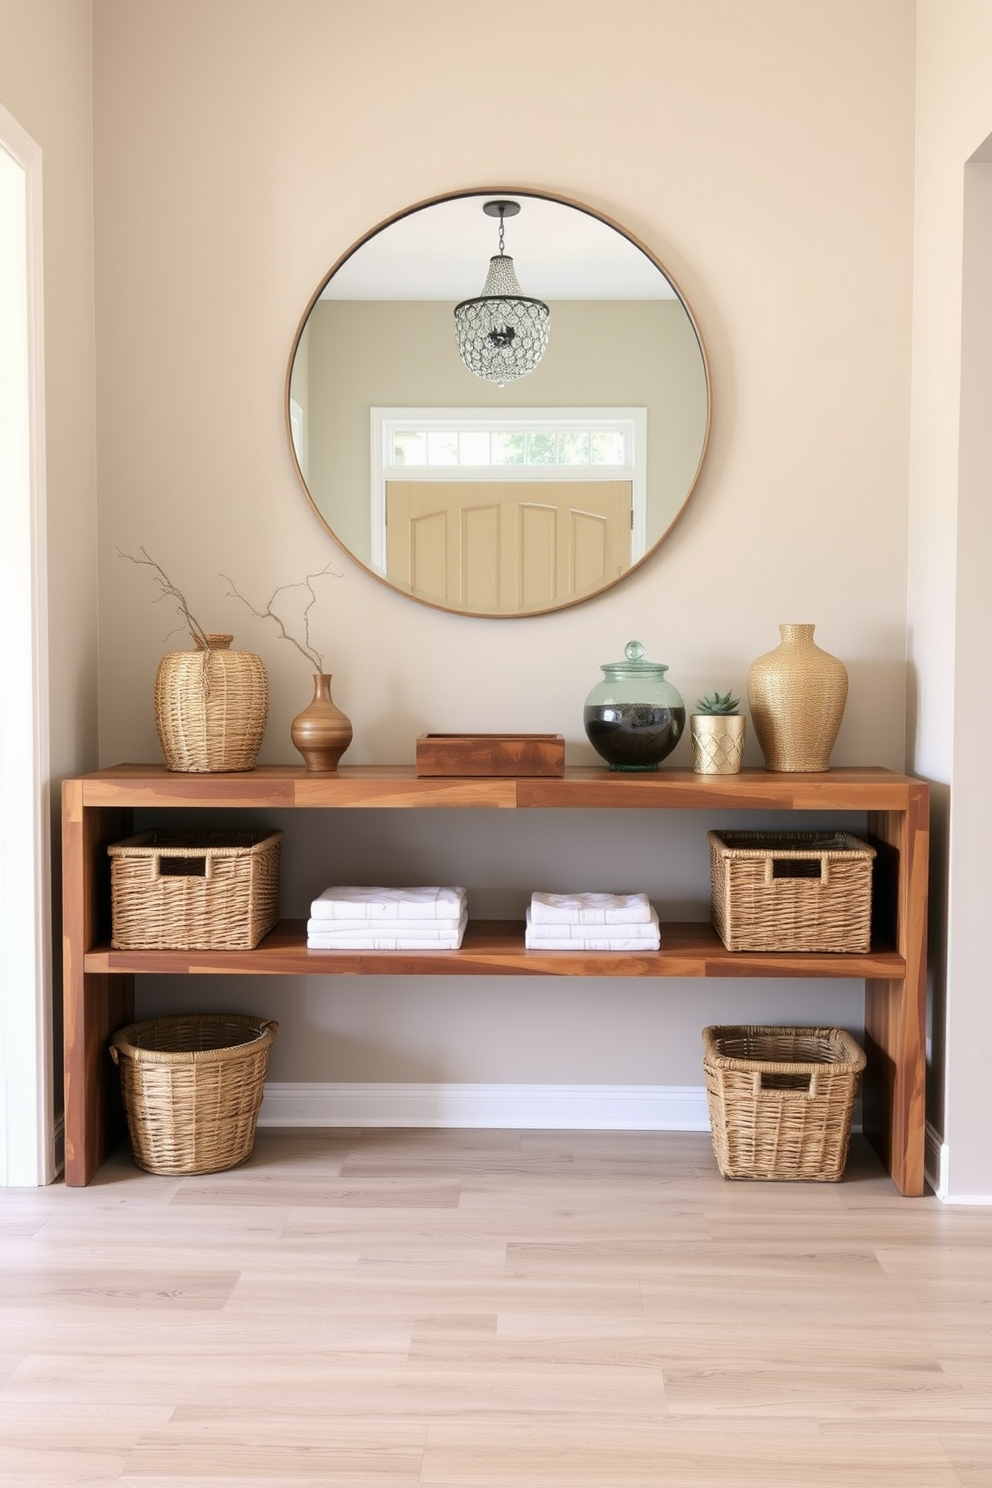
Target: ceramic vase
[
  {"x": 321, "y": 732},
  {"x": 797, "y": 695},
  {"x": 717, "y": 742},
  {"x": 211, "y": 707}
]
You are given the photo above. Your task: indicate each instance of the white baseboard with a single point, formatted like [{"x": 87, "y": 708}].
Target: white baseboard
[
  {"x": 937, "y": 1170},
  {"x": 561, "y": 1107}
]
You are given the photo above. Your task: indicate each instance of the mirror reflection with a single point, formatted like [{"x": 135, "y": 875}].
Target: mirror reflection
[{"x": 481, "y": 498}]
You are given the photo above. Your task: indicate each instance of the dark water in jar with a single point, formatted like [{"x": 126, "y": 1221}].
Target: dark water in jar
[{"x": 633, "y": 736}]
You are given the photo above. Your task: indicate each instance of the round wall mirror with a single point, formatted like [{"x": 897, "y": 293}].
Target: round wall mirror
[{"x": 478, "y": 464}]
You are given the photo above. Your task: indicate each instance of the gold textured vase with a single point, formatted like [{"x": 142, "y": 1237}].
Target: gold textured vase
[
  {"x": 321, "y": 732},
  {"x": 211, "y": 707},
  {"x": 717, "y": 742},
  {"x": 797, "y": 695}
]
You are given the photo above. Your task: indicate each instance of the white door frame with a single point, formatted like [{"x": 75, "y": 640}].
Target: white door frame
[{"x": 27, "y": 1119}]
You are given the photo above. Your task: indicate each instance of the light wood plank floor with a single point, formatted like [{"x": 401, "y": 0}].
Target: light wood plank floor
[{"x": 490, "y": 1309}]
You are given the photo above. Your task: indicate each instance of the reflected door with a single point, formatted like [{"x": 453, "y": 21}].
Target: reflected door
[{"x": 506, "y": 548}]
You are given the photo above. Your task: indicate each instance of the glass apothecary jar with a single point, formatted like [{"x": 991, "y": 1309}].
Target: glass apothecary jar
[{"x": 634, "y": 718}]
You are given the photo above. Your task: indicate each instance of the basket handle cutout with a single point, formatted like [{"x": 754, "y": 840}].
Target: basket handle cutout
[
  {"x": 817, "y": 868},
  {"x": 800, "y": 1083},
  {"x": 197, "y": 867}
]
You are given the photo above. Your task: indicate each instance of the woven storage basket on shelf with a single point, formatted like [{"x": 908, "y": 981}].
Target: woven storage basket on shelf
[
  {"x": 781, "y": 1100},
  {"x": 791, "y": 891},
  {"x": 192, "y": 1087},
  {"x": 211, "y": 707},
  {"x": 194, "y": 890}
]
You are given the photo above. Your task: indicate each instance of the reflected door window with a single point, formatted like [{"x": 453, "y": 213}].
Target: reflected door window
[{"x": 597, "y": 454}]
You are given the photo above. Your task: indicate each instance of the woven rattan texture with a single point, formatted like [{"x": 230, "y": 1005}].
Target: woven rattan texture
[
  {"x": 755, "y": 909},
  {"x": 781, "y": 1100},
  {"x": 229, "y": 900},
  {"x": 797, "y": 695},
  {"x": 192, "y": 1088},
  {"x": 210, "y": 709}
]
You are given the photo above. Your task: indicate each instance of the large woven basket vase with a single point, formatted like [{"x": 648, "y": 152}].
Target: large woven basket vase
[
  {"x": 211, "y": 707},
  {"x": 797, "y": 695}
]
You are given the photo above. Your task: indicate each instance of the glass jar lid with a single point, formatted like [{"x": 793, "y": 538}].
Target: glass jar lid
[{"x": 634, "y": 665}]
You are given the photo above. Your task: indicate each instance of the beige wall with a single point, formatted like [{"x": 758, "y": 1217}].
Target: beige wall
[
  {"x": 784, "y": 212},
  {"x": 764, "y": 153},
  {"x": 766, "y": 159},
  {"x": 950, "y": 528},
  {"x": 45, "y": 82}
]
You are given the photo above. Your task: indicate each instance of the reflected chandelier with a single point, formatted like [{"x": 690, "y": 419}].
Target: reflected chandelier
[{"x": 502, "y": 334}]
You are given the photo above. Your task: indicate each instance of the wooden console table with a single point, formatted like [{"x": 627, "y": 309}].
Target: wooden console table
[{"x": 98, "y": 981}]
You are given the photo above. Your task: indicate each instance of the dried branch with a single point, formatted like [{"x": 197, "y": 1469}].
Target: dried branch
[
  {"x": 305, "y": 647},
  {"x": 168, "y": 590}
]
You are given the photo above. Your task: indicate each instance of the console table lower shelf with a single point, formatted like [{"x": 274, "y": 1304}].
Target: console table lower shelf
[
  {"x": 496, "y": 948},
  {"x": 99, "y": 981}
]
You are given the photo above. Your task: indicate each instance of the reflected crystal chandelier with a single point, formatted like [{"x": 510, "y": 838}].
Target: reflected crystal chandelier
[{"x": 502, "y": 334}]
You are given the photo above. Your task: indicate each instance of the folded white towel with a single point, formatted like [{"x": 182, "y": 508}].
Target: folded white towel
[
  {"x": 378, "y": 938},
  {"x": 632, "y": 930},
  {"x": 384, "y": 943},
  {"x": 590, "y": 909},
  {"x": 590, "y": 938},
  {"x": 416, "y": 929},
  {"x": 348, "y": 901},
  {"x": 594, "y": 943}
]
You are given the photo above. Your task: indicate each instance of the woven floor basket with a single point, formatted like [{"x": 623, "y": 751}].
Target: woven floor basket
[
  {"x": 781, "y": 1100},
  {"x": 194, "y": 890},
  {"x": 791, "y": 891},
  {"x": 192, "y": 1088}
]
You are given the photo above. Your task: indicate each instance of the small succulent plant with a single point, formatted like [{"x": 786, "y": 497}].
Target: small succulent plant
[{"x": 718, "y": 702}]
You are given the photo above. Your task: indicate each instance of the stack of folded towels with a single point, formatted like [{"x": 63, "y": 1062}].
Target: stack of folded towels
[
  {"x": 349, "y": 918},
  {"x": 591, "y": 922}
]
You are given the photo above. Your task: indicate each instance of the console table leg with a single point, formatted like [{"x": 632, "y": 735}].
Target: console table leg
[
  {"x": 94, "y": 1006},
  {"x": 94, "y": 1116},
  {"x": 894, "y": 1087},
  {"x": 895, "y": 1011}
]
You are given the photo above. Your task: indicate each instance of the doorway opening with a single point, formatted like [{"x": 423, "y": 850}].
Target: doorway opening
[{"x": 27, "y": 1126}]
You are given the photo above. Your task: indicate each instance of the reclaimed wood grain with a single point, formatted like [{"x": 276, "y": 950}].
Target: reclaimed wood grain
[
  {"x": 514, "y": 755},
  {"x": 98, "y": 991}
]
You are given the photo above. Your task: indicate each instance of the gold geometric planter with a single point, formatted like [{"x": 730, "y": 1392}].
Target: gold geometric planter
[{"x": 717, "y": 742}]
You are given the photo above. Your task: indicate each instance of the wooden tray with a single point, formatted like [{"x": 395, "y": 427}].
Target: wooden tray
[{"x": 491, "y": 754}]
